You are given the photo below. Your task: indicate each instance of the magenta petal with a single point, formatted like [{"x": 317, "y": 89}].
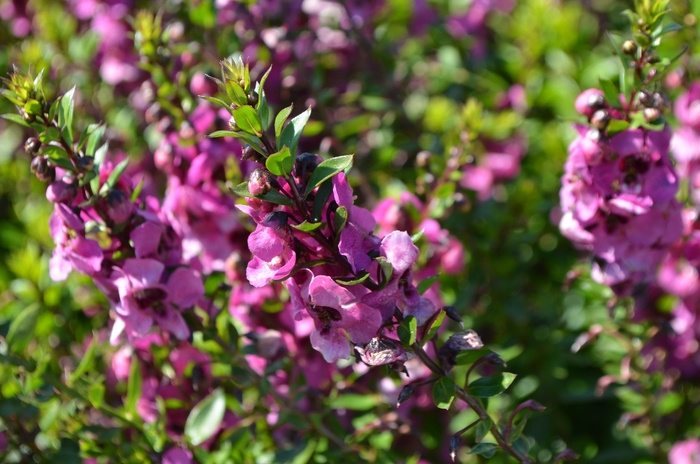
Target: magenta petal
[
  {"x": 367, "y": 322},
  {"x": 363, "y": 218},
  {"x": 333, "y": 347},
  {"x": 342, "y": 192},
  {"x": 86, "y": 255},
  {"x": 59, "y": 266},
  {"x": 628, "y": 142},
  {"x": 172, "y": 321},
  {"x": 177, "y": 456},
  {"x": 258, "y": 273},
  {"x": 146, "y": 238},
  {"x": 323, "y": 291},
  {"x": 421, "y": 311},
  {"x": 630, "y": 205},
  {"x": 399, "y": 251},
  {"x": 146, "y": 272},
  {"x": 184, "y": 287},
  {"x": 69, "y": 218},
  {"x": 350, "y": 246},
  {"x": 265, "y": 243}
]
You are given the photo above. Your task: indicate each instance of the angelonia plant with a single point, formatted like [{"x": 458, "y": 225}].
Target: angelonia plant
[{"x": 320, "y": 231}]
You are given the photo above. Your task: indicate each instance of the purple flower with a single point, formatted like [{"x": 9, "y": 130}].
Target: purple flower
[
  {"x": 685, "y": 452},
  {"x": 147, "y": 293},
  {"x": 73, "y": 251},
  {"x": 177, "y": 456},
  {"x": 273, "y": 257}
]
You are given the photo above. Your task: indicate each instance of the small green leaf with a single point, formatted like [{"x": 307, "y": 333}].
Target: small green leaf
[
  {"x": 114, "y": 176},
  {"x": 408, "y": 330},
  {"x": 469, "y": 357},
  {"x": 280, "y": 163},
  {"x": 340, "y": 220},
  {"x": 51, "y": 134},
  {"x": 222, "y": 133},
  {"x": 493, "y": 385},
  {"x": 612, "y": 94},
  {"x": 387, "y": 269},
  {"x": 214, "y": 100},
  {"x": 205, "y": 418},
  {"x": 96, "y": 394},
  {"x": 33, "y": 107},
  {"x": 426, "y": 283},
  {"x": 292, "y": 131},
  {"x": 444, "y": 392},
  {"x": 280, "y": 120},
  {"x": 307, "y": 226},
  {"x": 53, "y": 109},
  {"x": 248, "y": 120},
  {"x": 264, "y": 112},
  {"x": 486, "y": 450},
  {"x": 133, "y": 388},
  {"x": 85, "y": 363},
  {"x": 22, "y": 328},
  {"x": 616, "y": 126},
  {"x": 320, "y": 199},
  {"x": 434, "y": 327},
  {"x": 354, "y": 402},
  {"x": 137, "y": 191},
  {"x": 236, "y": 93},
  {"x": 94, "y": 139},
  {"x": 65, "y": 115},
  {"x": 326, "y": 170},
  {"x": 16, "y": 118},
  {"x": 261, "y": 85},
  {"x": 358, "y": 279}
]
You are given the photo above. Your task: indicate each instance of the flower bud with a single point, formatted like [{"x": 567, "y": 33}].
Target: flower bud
[
  {"x": 269, "y": 343},
  {"x": 651, "y": 115},
  {"x": 32, "y": 145},
  {"x": 406, "y": 393},
  {"x": 259, "y": 183},
  {"x": 249, "y": 154},
  {"x": 589, "y": 101},
  {"x": 646, "y": 99},
  {"x": 86, "y": 163},
  {"x": 455, "y": 441},
  {"x": 461, "y": 341},
  {"x": 276, "y": 220},
  {"x": 381, "y": 351},
  {"x": 600, "y": 119},
  {"x": 119, "y": 206},
  {"x": 28, "y": 118},
  {"x": 232, "y": 124},
  {"x": 40, "y": 167},
  {"x": 253, "y": 98},
  {"x": 305, "y": 165},
  {"x": 422, "y": 158},
  {"x": 661, "y": 102},
  {"x": 629, "y": 47},
  {"x": 61, "y": 192}
]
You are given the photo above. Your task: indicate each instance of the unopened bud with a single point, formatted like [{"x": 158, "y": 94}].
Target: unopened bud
[
  {"x": 423, "y": 158},
  {"x": 629, "y": 47},
  {"x": 40, "y": 167},
  {"x": 455, "y": 441},
  {"x": 653, "y": 58},
  {"x": 451, "y": 312},
  {"x": 596, "y": 101},
  {"x": 600, "y": 119},
  {"x": 494, "y": 358},
  {"x": 119, "y": 206},
  {"x": 305, "y": 165},
  {"x": 646, "y": 99},
  {"x": 661, "y": 102},
  {"x": 461, "y": 341},
  {"x": 651, "y": 115},
  {"x": 250, "y": 154},
  {"x": 32, "y": 145},
  {"x": 86, "y": 163},
  {"x": 253, "y": 98},
  {"x": 28, "y": 118},
  {"x": 532, "y": 405},
  {"x": 566, "y": 455},
  {"x": 232, "y": 124},
  {"x": 61, "y": 192},
  {"x": 405, "y": 394},
  {"x": 269, "y": 343},
  {"x": 276, "y": 220},
  {"x": 652, "y": 73},
  {"x": 259, "y": 183}
]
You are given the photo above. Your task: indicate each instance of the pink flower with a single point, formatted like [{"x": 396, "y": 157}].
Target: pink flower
[
  {"x": 148, "y": 293},
  {"x": 685, "y": 452},
  {"x": 273, "y": 257},
  {"x": 73, "y": 251}
]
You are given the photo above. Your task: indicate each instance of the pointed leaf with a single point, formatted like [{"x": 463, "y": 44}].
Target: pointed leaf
[
  {"x": 307, "y": 226},
  {"x": 16, "y": 118},
  {"x": 434, "y": 327},
  {"x": 65, "y": 115},
  {"x": 444, "y": 392},
  {"x": 94, "y": 140},
  {"x": 248, "y": 120},
  {"x": 322, "y": 195},
  {"x": 292, "y": 132},
  {"x": 486, "y": 450},
  {"x": 114, "y": 176},
  {"x": 280, "y": 120},
  {"x": 280, "y": 163},
  {"x": 612, "y": 94},
  {"x": 326, "y": 170},
  {"x": 493, "y": 385},
  {"x": 340, "y": 220},
  {"x": 361, "y": 277},
  {"x": 408, "y": 330},
  {"x": 205, "y": 418},
  {"x": 85, "y": 363},
  {"x": 469, "y": 357},
  {"x": 22, "y": 328},
  {"x": 133, "y": 388},
  {"x": 426, "y": 283}
]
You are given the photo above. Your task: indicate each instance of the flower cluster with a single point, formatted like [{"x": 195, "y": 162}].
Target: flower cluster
[{"x": 618, "y": 197}]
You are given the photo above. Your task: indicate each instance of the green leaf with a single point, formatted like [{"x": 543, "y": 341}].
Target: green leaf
[
  {"x": 280, "y": 120},
  {"x": 236, "y": 93},
  {"x": 408, "y": 330},
  {"x": 292, "y": 131},
  {"x": 486, "y": 450},
  {"x": 669, "y": 403},
  {"x": 133, "y": 388},
  {"x": 137, "y": 191},
  {"x": 85, "y": 363},
  {"x": 114, "y": 176},
  {"x": 616, "y": 126},
  {"x": 307, "y": 226},
  {"x": 358, "y": 279},
  {"x": 272, "y": 196},
  {"x": 320, "y": 199},
  {"x": 493, "y": 385},
  {"x": 426, "y": 283},
  {"x": 96, "y": 394},
  {"x": 51, "y": 134},
  {"x": 354, "y": 402},
  {"x": 444, "y": 392},
  {"x": 22, "y": 328},
  {"x": 261, "y": 86},
  {"x": 214, "y": 100},
  {"x": 248, "y": 120},
  {"x": 65, "y": 115},
  {"x": 53, "y": 109},
  {"x": 340, "y": 220},
  {"x": 222, "y": 133},
  {"x": 611, "y": 92},
  {"x": 94, "y": 140},
  {"x": 205, "y": 417},
  {"x": 16, "y": 118},
  {"x": 668, "y": 28},
  {"x": 326, "y": 170},
  {"x": 434, "y": 327},
  {"x": 387, "y": 269},
  {"x": 280, "y": 163},
  {"x": 33, "y": 107},
  {"x": 468, "y": 357},
  {"x": 264, "y": 112}
]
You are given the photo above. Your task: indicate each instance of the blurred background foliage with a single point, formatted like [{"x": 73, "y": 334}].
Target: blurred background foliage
[{"x": 404, "y": 93}]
